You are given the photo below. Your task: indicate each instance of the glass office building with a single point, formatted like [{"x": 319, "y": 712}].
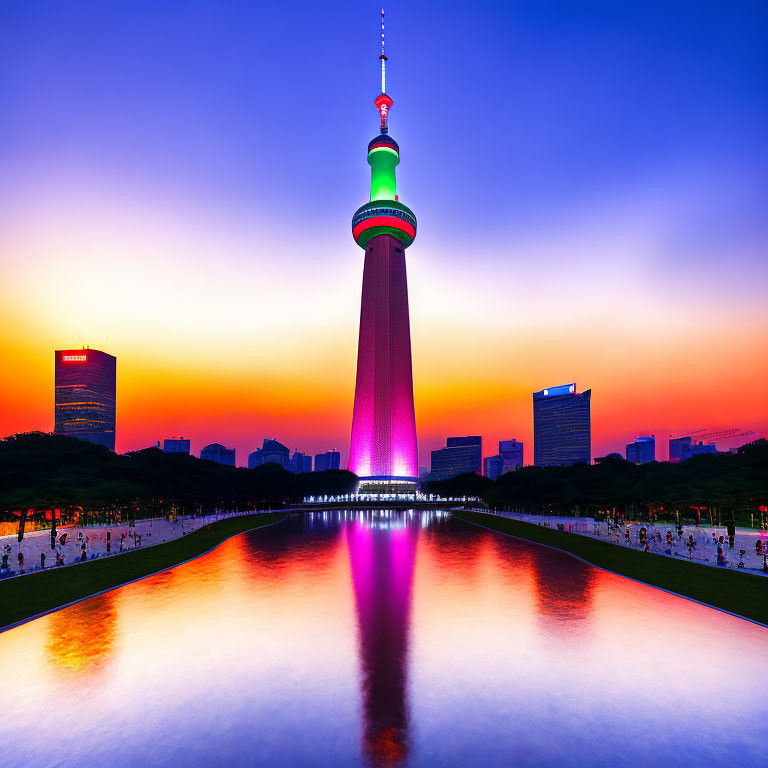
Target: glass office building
[
  {"x": 642, "y": 451},
  {"x": 85, "y": 391},
  {"x": 460, "y": 455},
  {"x": 561, "y": 426},
  {"x": 327, "y": 460}
]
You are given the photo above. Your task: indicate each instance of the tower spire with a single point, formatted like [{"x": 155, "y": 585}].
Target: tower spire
[
  {"x": 383, "y": 101},
  {"x": 383, "y": 57}
]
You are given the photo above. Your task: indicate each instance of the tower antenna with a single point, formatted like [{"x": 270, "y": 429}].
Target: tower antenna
[{"x": 383, "y": 57}]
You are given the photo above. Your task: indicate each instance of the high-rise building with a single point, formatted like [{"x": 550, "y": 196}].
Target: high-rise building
[
  {"x": 509, "y": 458},
  {"x": 176, "y": 445},
  {"x": 327, "y": 460},
  {"x": 299, "y": 463},
  {"x": 460, "y": 455},
  {"x": 642, "y": 450},
  {"x": 561, "y": 426},
  {"x": 84, "y": 395},
  {"x": 680, "y": 449},
  {"x": 271, "y": 452},
  {"x": 274, "y": 452},
  {"x": 218, "y": 453},
  {"x": 383, "y": 445}
]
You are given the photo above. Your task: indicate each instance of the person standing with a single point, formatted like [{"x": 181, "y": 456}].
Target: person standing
[{"x": 42, "y": 561}]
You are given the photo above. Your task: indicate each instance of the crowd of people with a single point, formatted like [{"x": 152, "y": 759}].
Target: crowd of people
[
  {"x": 724, "y": 546},
  {"x": 42, "y": 550}
]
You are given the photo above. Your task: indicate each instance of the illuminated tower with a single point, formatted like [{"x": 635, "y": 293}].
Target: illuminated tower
[{"x": 383, "y": 446}]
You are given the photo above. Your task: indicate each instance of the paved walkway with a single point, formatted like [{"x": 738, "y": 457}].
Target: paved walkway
[
  {"x": 124, "y": 539},
  {"x": 705, "y": 539}
]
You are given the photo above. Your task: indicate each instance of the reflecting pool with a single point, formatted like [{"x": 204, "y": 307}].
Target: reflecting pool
[{"x": 384, "y": 639}]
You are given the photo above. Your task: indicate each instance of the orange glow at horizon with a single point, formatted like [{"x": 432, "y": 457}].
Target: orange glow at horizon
[{"x": 235, "y": 339}]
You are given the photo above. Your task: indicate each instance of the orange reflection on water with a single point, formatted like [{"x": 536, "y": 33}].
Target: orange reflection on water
[
  {"x": 387, "y": 639},
  {"x": 81, "y": 639}
]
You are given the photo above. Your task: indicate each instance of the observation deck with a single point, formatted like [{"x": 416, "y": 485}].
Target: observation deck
[{"x": 383, "y": 217}]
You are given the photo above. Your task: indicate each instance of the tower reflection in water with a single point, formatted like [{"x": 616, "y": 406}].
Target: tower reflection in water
[{"x": 382, "y": 553}]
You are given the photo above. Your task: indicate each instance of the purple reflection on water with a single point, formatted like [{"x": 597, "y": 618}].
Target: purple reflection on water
[{"x": 382, "y": 554}]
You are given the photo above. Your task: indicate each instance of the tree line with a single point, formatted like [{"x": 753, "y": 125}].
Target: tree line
[{"x": 40, "y": 471}]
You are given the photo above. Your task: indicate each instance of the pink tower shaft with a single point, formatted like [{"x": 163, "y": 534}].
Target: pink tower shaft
[{"x": 383, "y": 441}]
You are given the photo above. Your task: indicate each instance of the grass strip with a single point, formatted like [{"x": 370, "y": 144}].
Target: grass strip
[
  {"x": 35, "y": 593},
  {"x": 745, "y": 594}
]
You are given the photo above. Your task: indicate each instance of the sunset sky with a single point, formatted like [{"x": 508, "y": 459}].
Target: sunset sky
[{"x": 590, "y": 180}]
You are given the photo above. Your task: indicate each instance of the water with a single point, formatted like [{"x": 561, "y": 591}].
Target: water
[{"x": 383, "y": 639}]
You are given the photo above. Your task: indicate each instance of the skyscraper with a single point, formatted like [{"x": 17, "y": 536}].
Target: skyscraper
[
  {"x": 85, "y": 391},
  {"x": 642, "y": 450},
  {"x": 383, "y": 444},
  {"x": 218, "y": 453},
  {"x": 327, "y": 460},
  {"x": 460, "y": 455},
  {"x": 561, "y": 426}
]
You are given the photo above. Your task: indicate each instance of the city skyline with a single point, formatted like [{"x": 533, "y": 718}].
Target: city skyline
[
  {"x": 728, "y": 438},
  {"x": 185, "y": 250}
]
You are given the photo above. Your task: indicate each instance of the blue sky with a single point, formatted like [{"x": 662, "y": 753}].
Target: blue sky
[{"x": 593, "y": 169}]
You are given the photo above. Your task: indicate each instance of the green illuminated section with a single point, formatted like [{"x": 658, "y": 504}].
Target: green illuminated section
[{"x": 383, "y": 161}]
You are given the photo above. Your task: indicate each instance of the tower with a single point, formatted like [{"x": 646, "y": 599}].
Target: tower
[{"x": 383, "y": 451}]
